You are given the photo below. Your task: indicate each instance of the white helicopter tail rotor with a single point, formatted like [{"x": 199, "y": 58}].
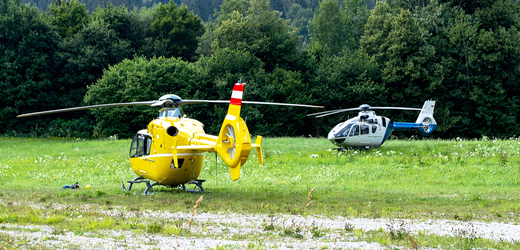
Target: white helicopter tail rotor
[
  {"x": 426, "y": 114},
  {"x": 426, "y": 117}
]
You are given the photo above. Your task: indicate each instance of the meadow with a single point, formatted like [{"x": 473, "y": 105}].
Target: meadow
[{"x": 466, "y": 180}]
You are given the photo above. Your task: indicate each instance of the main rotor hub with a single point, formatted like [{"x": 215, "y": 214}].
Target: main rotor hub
[
  {"x": 167, "y": 101},
  {"x": 364, "y": 107}
]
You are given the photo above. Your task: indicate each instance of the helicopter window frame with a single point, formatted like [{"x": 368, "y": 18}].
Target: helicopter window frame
[
  {"x": 344, "y": 131},
  {"x": 364, "y": 129},
  {"x": 171, "y": 112},
  {"x": 354, "y": 131},
  {"x": 140, "y": 145}
]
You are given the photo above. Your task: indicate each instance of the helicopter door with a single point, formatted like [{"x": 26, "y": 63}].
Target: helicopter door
[
  {"x": 376, "y": 135},
  {"x": 353, "y": 136},
  {"x": 365, "y": 134},
  {"x": 140, "y": 147}
]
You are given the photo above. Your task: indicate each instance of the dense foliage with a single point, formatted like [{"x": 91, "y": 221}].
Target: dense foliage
[{"x": 464, "y": 55}]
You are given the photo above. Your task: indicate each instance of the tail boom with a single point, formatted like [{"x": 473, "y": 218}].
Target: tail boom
[
  {"x": 421, "y": 128},
  {"x": 425, "y": 123}
]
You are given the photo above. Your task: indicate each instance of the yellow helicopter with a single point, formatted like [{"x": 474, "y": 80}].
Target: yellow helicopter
[{"x": 171, "y": 150}]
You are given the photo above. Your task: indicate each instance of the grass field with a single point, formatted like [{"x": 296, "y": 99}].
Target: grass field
[{"x": 475, "y": 180}]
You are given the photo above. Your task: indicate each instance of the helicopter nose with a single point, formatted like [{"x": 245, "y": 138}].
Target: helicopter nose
[
  {"x": 331, "y": 135},
  {"x": 332, "y": 138},
  {"x": 336, "y": 140}
]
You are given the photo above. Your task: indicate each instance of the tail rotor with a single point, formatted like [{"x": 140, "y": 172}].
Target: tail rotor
[{"x": 234, "y": 141}]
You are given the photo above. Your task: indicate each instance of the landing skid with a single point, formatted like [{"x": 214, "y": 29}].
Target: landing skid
[
  {"x": 342, "y": 149},
  {"x": 197, "y": 183},
  {"x": 140, "y": 180}
]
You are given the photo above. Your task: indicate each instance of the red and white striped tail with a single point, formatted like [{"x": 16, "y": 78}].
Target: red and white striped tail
[{"x": 238, "y": 91}]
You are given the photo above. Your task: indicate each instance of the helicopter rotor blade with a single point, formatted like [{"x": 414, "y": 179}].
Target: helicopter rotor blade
[
  {"x": 248, "y": 102},
  {"x": 330, "y": 112},
  {"x": 284, "y": 104},
  {"x": 333, "y": 113},
  {"x": 158, "y": 103},
  {"x": 86, "y": 108},
  {"x": 397, "y": 108}
]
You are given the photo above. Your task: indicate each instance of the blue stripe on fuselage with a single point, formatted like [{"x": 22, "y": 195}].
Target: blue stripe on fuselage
[{"x": 399, "y": 126}]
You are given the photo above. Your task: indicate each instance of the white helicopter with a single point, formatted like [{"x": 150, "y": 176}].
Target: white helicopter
[{"x": 368, "y": 130}]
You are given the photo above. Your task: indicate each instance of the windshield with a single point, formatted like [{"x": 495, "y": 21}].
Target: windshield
[
  {"x": 343, "y": 132},
  {"x": 175, "y": 113}
]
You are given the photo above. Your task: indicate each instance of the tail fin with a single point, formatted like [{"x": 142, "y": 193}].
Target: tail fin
[
  {"x": 426, "y": 118},
  {"x": 234, "y": 141},
  {"x": 425, "y": 123}
]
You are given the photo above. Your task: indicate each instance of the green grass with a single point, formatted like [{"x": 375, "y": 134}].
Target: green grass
[
  {"x": 406, "y": 179},
  {"x": 419, "y": 179}
]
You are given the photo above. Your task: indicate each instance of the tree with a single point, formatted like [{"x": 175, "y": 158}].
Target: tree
[
  {"x": 67, "y": 17},
  {"x": 218, "y": 73},
  {"x": 356, "y": 14},
  {"x": 85, "y": 56},
  {"x": 402, "y": 49},
  {"x": 28, "y": 49},
  {"x": 206, "y": 39},
  {"x": 134, "y": 80},
  {"x": 300, "y": 19},
  {"x": 328, "y": 29},
  {"x": 117, "y": 19},
  {"x": 376, "y": 31},
  {"x": 203, "y": 8},
  {"x": 344, "y": 81},
  {"x": 491, "y": 13},
  {"x": 481, "y": 47},
  {"x": 257, "y": 30},
  {"x": 336, "y": 28},
  {"x": 407, "y": 68},
  {"x": 407, "y": 59},
  {"x": 178, "y": 28}
]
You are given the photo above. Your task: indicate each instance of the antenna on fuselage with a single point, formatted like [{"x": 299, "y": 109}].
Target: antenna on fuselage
[{"x": 216, "y": 165}]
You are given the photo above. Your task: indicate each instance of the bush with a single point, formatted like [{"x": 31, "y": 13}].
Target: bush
[{"x": 137, "y": 80}]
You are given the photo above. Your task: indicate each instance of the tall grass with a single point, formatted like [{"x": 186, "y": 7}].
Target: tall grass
[
  {"x": 27, "y": 163},
  {"x": 461, "y": 179}
]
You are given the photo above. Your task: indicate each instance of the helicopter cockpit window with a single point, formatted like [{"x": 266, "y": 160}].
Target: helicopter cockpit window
[
  {"x": 343, "y": 132},
  {"x": 175, "y": 113},
  {"x": 140, "y": 145},
  {"x": 354, "y": 131},
  {"x": 364, "y": 129},
  {"x": 374, "y": 128}
]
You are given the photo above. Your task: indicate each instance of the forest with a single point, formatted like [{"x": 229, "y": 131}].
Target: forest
[
  {"x": 465, "y": 55},
  {"x": 205, "y": 9}
]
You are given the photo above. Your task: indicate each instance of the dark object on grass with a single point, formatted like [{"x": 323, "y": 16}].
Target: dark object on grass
[{"x": 73, "y": 186}]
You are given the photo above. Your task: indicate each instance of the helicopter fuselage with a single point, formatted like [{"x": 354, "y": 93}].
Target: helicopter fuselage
[
  {"x": 151, "y": 151},
  {"x": 368, "y": 130}
]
